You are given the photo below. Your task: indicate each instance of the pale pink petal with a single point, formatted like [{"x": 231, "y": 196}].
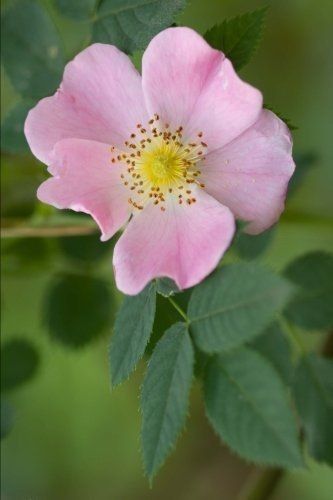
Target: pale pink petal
[
  {"x": 100, "y": 99},
  {"x": 85, "y": 180},
  {"x": 251, "y": 174},
  {"x": 184, "y": 243},
  {"x": 190, "y": 84}
]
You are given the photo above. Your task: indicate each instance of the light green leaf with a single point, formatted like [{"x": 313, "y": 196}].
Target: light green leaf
[
  {"x": 312, "y": 306},
  {"x": 77, "y": 9},
  {"x": 239, "y": 37},
  {"x": 274, "y": 346},
  {"x": 247, "y": 405},
  {"x": 165, "y": 395},
  {"x": 133, "y": 327},
  {"x": 32, "y": 53},
  {"x": 7, "y": 418},
  {"x": 131, "y": 24},
  {"x": 19, "y": 362},
  {"x": 234, "y": 305},
  {"x": 313, "y": 392},
  {"x": 12, "y": 136}
]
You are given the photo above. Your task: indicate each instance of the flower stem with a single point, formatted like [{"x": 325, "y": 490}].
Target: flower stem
[{"x": 179, "y": 310}]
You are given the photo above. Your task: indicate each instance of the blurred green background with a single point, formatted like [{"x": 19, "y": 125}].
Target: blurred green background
[{"x": 72, "y": 438}]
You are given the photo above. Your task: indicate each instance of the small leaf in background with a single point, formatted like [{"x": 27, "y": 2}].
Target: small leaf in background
[
  {"x": 132, "y": 329},
  {"x": 166, "y": 287},
  {"x": 27, "y": 253},
  {"x": 249, "y": 246},
  {"x": 12, "y": 136},
  {"x": 235, "y": 304},
  {"x": 77, "y": 9},
  {"x": 304, "y": 162},
  {"x": 165, "y": 396},
  {"x": 312, "y": 306},
  {"x": 31, "y": 49},
  {"x": 286, "y": 120},
  {"x": 7, "y": 418},
  {"x": 19, "y": 362},
  {"x": 313, "y": 392},
  {"x": 131, "y": 26},
  {"x": 274, "y": 346},
  {"x": 78, "y": 309},
  {"x": 88, "y": 248},
  {"x": 247, "y": 405},
  {"x": 239, "y": 37}
]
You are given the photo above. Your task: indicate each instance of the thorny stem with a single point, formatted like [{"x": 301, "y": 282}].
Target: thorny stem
[{"x": 179, "y": 309}]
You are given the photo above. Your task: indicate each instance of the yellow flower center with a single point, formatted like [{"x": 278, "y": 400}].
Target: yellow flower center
[{"x": 160, "y": 164}]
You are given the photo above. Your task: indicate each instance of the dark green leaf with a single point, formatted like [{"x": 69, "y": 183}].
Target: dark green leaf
[
  {"x": 313, "y": 391},
  {"x": 133, "y": 327},
  {"x": 165, "y": 395},
  {"x": 274, "y": 346},
  {"x": 88, "y": 248},
  {"x": 304, "y": 163},
  {"x": 132, "y": 24},
  {"x": 166, "y": 287},
  {"x": 234, "y": 305},
  {"x": 12, "y": 136},
  {"x": 250, "y": 246},
  {"x": 286, "y": 120},
  {"x": 77, "y": 9},
  {"x": 19, "y": 362},
  {"x": 239, "y": 37},
  {"x": 78, "y": 309},
  {"x": 31, "y": 49},
  {"x": 312, "y": 306},
  {"x": 247, "y": 405},
  {"x": 7, "y": 418}
]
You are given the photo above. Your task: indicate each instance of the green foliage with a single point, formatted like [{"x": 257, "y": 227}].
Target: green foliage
[
  {"x": 247, "y": 405},
  {"x": 12, "y": 136},
  {"x": 235, "y": 304},
  {"x": 19, "y": 362},
  {"x": 86, "y": 249},
  {"x": 249, "y": 246},
  {"x": 313, "y": 392},
  {"x": 78, "y": 308},
  {"x": 77, "y": 9},
  {"x": 166, "y": 287},
  {"x": 239, "y": 37},
  {"x": 7, "y": 418},
  {"x": 311, "y": 308},
  {"x": 133, "y": 327},
  {"x": 304, "y": 162},
  {"x": 31, "y": 49},
  {"x": 286, "y": 120},
  {"x": 274, "y": 346},
  {"x": 165, "y": 395}
]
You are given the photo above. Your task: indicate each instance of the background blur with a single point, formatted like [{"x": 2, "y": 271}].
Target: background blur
[{"x": 71, "y": 437}]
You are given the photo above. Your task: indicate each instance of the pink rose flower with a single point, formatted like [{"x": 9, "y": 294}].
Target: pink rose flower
[{"x": 178, "y": 154}]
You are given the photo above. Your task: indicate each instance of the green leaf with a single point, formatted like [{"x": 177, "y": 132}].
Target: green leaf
[
  {"x": 130, "y": 25},
  {"x": 234, "y": 305},
  {"x": 274, "y": 346},
  {"x": 7, "y": 418},
  {"x": 286, "y": 120},
  {"x": 78, "y": 309},
  {"x": 85, "y": 249},
  {"x": 32, "y": 54},
  {"x": 249, "y": 246},
  {"x": 77, "y": 9},
  {"x": 313, "y": 392},
  {"x": 166, "y": 287},
  {"x": 12, "y": 136},
  {"x": 247, "y": 405},
  {"x": 165, "y": 395},
  {"x": 19, "y": 362},
  {"x": 304, "y": 163},
  {"x": 311, "y": 308},
  {"x": 133, "y": 327},
  {"x": 239, "y": 37}
]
